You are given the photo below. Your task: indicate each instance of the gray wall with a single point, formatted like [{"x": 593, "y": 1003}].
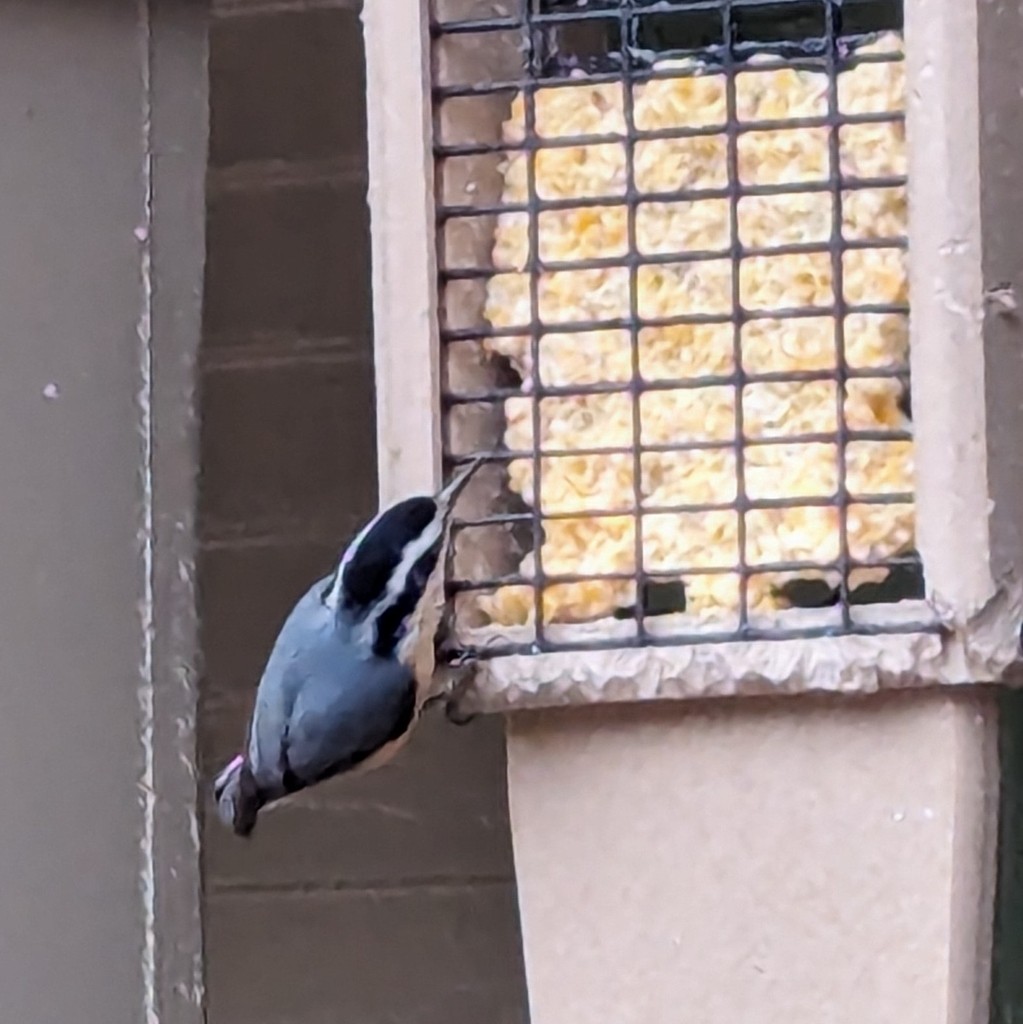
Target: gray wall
[
  {"x": 103, "y": 123},
  {"x": 377, "y": 900}
]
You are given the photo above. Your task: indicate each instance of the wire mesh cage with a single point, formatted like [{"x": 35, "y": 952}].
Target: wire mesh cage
[{"x": 674, "y": 304}]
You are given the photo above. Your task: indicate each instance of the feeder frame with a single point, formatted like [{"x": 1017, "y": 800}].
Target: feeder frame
[{"x": 966, "y": 367}]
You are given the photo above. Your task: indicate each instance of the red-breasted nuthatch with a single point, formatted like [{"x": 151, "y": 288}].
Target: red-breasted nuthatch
[{"x": 353, "y": 664}]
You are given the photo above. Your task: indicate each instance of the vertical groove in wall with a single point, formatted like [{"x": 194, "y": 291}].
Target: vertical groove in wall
[
  {"x": 105, "y": 127},
  {"x": 147, "y": 781},
  {"x": 170, "y": 237}
]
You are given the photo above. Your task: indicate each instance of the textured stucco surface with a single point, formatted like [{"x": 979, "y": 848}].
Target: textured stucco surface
[{"x": 796, "y": 861}]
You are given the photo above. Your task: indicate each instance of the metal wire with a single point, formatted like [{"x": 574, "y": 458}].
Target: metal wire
[
  {"x": 736, "y": 252},
  {"x": 534, "y": 268},
  {"x": 627, "y": 56}
]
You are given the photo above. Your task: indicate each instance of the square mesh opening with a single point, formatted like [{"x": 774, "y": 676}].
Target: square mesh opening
[{"x": 674, "y": 298}]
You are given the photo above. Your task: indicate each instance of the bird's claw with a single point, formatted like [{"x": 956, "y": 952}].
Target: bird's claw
[
  {"x": 458, "y": 659},
  {"x": 455, "y": 715},
  {"x": 459, "y": 666}
]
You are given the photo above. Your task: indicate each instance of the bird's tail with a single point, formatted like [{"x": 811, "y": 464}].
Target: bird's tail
[{"x": 238, "y": 797}]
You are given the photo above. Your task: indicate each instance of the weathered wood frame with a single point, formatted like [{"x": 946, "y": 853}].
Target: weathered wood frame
[{"x": 967, "y": 369}]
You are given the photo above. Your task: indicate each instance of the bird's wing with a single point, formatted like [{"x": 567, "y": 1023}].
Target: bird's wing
[
  {"x": 308, "y": 627},
  {"x": 345, "y": 711}
]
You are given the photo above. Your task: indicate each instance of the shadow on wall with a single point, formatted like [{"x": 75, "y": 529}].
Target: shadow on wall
[{"x": 375, "y": 899}]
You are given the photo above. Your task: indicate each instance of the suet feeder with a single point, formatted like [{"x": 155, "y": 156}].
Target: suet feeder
[
  {"x": 681, "y": 293},
  {"x": 725, "y": 291}
]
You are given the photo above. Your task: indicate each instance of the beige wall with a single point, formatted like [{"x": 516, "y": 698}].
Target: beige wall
[
  {"x": 777, "y": 860},
  {"x": 391, "y": 897}
]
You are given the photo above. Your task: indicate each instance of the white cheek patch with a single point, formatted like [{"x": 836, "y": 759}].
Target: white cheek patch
[
  {"x": 365, "y": 632},
  {"x": 410, "y": 554}
]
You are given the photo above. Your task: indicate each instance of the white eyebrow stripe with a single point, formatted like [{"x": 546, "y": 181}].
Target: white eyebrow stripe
[
  {"x": 410, "y": 554},
  {"x": 333, "y": 598}
]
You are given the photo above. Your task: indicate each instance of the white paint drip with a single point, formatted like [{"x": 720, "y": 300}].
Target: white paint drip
[{"x": 146, "y": 697}]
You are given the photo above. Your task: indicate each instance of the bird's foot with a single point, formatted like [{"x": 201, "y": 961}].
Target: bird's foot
[
  {"x": 454, "y": 714},
  {"x": 458, "y": 669}
]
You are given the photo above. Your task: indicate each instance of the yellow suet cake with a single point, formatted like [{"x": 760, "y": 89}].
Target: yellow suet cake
[{"x": 675, "y": 542}]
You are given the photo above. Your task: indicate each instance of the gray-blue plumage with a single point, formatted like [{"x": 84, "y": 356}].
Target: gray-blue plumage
[
  {"x": 324, "y": 703},
  {"x": 337, "y": 693}
]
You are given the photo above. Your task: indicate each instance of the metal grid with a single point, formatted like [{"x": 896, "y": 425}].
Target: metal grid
[{"x": 555, "y": 45}]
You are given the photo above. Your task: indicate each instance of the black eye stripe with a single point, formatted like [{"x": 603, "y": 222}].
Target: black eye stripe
[
  {"x": 393, "y": 621},
  {"x": 373, "y": 563}
]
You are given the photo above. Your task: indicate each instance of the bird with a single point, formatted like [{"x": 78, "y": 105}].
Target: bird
[{"x": 353, "y": 665}]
